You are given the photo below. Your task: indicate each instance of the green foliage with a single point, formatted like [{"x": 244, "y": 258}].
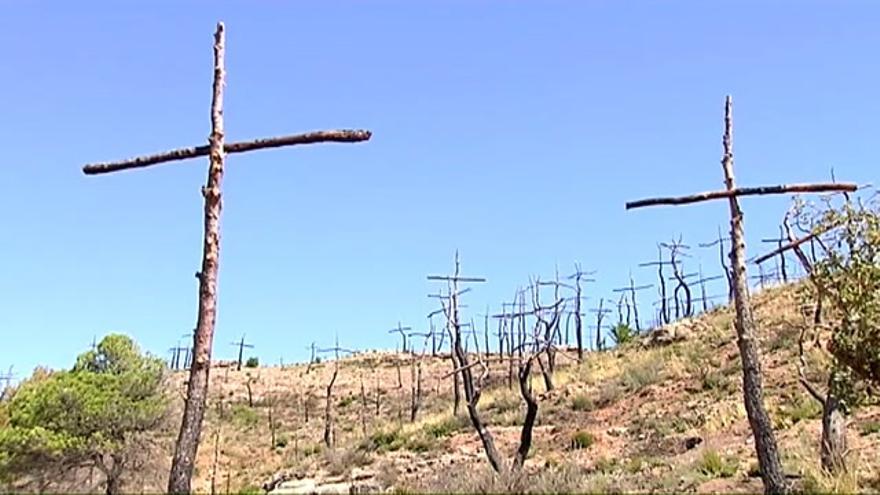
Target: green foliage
[
  {"x": 446, "y": 427},
  {"x": 244, "y": 416},
  {"x": 252, "y": 362},
  {"x": 83, "y": 416},
  {"x": 384, "y": 440},
  {"x": 582, "y": 440},
  {"x": 870, "y": 428},
  {"x": 800, "y": 408},
  {"x": 622, "y": 334},
  {"x": 849, "y": 279},
  {"x": 395, "y": 439},
  {"x": 711, "y": 463},
  {"x": 581, "y": 402}
]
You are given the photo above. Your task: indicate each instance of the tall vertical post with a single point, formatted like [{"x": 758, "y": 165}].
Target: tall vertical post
[
  {"x": 187, "y": 446},
  {"x": 753, "y": 387}
]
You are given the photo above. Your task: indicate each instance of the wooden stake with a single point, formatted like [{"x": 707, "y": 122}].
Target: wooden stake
[{"x": 187, "y": 446}]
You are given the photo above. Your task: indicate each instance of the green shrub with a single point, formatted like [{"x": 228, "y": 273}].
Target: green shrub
[
  {"x": 850, "y": 276},
  {"x": 582, "y": 440},
  {"x": 712, "y": 464},
  {"x": 347, "y": 401},
  {"x": 244, "y": 416},
  {"x": 252, "y": 362},
  {"x": 446, "y": 427},
  {"x": 622, "y": 334},
  {"x": 384, "y": 440},
  {"x": 581, "y": 402},
  {"x": 870, "y": 428}
]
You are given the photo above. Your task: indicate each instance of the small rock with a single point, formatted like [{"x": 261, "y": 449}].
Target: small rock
[{"x": 691, "y": 442}]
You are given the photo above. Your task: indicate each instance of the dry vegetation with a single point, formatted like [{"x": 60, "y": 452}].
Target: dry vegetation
[{"x": 638, "y": 418}]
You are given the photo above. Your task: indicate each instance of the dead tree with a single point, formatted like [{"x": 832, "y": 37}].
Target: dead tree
[
  {"x": 660, "y": 263},
  {"x": 547, "y": 328},
  {"x": 473, "y": 386},
  {"x": 241, "y": 347},
  {"x": 676, "y": 249},
  {"x": 378, "y": 394},
  {"x": 456, "y": 381},
  {"x": 702, "y": 281},
  {"x": 186, "y": 448},
  {"x": 329, "y": 437},
  {"x": 248, "y": 383},
  {"x": 762, "y": 428},
  {"x": 631, "y": 289},
  {"x": 273, "y": 424},
  {"x": 578, "y": 277},
  {"x": 415, "y": 387},
  {"x": 416, "y": 374},
  {"x": 216, "y": 460},
  {"x": 401, "y": 330},
  {"x": 779, "y": 241},
  {"x": 722, "y": 254},
  {"x": 505, "y": 344},
  {"x": 312, "y": 358},
  {"x": 600, "y": 315},
  {"x": 363, "y": 407},
  {"x": 176, "y": 352}
]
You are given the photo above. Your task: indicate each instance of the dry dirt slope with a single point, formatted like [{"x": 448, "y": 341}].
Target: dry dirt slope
[{"x": 640, "y": 418}]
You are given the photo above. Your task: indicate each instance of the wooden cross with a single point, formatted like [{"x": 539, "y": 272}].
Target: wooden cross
[
  {"x": 753, "y": 389},
  {"x": 197, "y": 388},
  {"x": 241, "y": 346},
  {"x": 402, "y": 331},
  {"x": 8, "y": 377}
]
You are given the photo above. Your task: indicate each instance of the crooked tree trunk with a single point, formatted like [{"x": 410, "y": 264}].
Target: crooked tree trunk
[
  {"x": 525, "y": 439},
  {"x": 753, "y": 389},
  {"x": 187, "y": 445},
  {"x": 548, "y": 377},
  {"x": 329, "y": 439}
]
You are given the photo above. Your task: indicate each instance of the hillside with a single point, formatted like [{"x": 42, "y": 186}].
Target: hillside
[{"x": 645, "y": 417}]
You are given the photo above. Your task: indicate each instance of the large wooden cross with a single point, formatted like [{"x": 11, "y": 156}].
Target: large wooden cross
[
  {"x": 197, "y": 387},
  {"x": 762, "y": 429}
]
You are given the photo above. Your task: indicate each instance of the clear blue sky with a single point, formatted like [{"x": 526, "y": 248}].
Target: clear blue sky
[{"x": 514, "y": 132}]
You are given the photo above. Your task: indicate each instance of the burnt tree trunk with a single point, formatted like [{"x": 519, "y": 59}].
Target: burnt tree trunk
[
  {"x": 578, "y": 322},
  {"x": 753, "y": 388},
  {"x": 525, "y": 439},
  {"x": 415, "y": 389},
  {"x": 329, "y": 437},
  {"x": 187, "y": 445},
  {"x": 664, "y": 308}
]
